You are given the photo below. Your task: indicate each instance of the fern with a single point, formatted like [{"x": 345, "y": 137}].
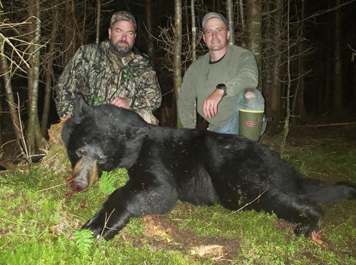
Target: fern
[
  {"x": 122, "y": 176},
  {"x": 84, "y": 240},
  {"x": 107, "y": 182},
  {"x": 110, "y": 181}
]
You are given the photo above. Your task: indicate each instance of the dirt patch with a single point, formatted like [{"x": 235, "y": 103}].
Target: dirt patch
[{"x": 166, "y": 234}]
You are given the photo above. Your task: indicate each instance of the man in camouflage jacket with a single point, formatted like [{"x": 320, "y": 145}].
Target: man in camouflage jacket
[{"x": 111, "y": 72}]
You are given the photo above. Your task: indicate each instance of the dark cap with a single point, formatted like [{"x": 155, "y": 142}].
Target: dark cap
[
  {"x": 123, "y": 15},
  {"x": 215, "y": 15}
]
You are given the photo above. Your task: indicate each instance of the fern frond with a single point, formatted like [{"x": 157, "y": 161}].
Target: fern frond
[
  {"x": 84, "y": 240},
  {"x": 107, "y": 182}
]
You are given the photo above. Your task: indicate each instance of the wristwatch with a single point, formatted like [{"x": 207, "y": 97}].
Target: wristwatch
[{"x": 223, "y": 87}]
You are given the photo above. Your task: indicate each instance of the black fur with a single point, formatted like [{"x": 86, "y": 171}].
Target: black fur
[{"x": 200, "y": 167}]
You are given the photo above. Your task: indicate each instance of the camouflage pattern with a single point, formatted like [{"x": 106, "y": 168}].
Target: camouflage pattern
[
  {"x": 100, "y": 76},
  {"x": 123, "y": 15}
]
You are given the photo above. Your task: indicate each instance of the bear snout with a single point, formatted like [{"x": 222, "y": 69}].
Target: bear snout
[
  {"x": 77, "y": 186},
  {"x": 84, "y": 174}
]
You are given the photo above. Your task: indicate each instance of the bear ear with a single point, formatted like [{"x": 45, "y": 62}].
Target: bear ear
[
  {"x": 80, "y": 108},
  {"x": 140, "y": 133}
]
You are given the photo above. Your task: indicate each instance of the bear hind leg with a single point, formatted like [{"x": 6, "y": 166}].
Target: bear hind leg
[{"x": 306, "y": 215}]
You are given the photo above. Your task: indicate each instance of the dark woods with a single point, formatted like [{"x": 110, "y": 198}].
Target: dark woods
[{"x": 305, "y": 51}]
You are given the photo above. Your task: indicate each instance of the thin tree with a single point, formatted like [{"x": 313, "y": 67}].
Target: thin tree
[
  {"x": 97, "y": 20},
  {"x": 6, "y": 75},
  {"x": 273, "y": 67},
  {"x": 289, "y": 84},
  {"x": 298, "y": 107},
  {"x": 49, "y": 69},
  {"x": 337, "y": 60},
  {"x": 230, "y": 19},
  {"x": 149, "y": 25},
  {"x": 242, "y": 16},
  {"x": 69, "y": 31},
  {"x": 254, "y": 22},
  {"x": 194, "y": 31},
  {"x": 216, "y": 5},
  {"x": 34, "y": 131},
  {"x": 177, "y": 74}
]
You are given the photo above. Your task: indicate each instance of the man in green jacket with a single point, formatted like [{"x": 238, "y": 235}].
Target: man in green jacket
[
  {"x": 223, "y": 81},
  {"x": 113, "y": 71}
]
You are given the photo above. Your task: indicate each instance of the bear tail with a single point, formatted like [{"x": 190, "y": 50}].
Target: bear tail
[{"x": 323, "y": 193}]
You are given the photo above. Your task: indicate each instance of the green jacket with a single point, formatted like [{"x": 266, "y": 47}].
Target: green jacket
[
  {"x": 237, "y": 70},
  {"x": 97, "y": 74}
]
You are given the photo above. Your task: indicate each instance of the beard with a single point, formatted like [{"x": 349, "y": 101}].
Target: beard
[{"x": 122, "y": 47}]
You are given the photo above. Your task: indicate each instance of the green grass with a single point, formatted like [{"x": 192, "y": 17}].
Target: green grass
[{"x": 40, "y": 217}]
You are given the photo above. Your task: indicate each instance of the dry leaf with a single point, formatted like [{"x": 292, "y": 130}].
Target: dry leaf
[{"x": 212, "y": 250}]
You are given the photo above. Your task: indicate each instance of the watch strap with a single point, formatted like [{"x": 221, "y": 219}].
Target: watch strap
[{"x": 222, "y": 87}]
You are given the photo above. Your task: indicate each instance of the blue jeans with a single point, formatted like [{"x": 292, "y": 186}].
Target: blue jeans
[{"x": 232, "y": 127}]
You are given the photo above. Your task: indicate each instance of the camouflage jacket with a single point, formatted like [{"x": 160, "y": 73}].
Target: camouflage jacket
[{"x": 100, "y": 76}]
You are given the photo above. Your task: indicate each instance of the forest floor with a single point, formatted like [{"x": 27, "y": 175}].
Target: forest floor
[{"x": 325, "y": 150}]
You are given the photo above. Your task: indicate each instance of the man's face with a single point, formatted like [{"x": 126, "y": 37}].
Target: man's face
[
  {"x": 216, "y": 35},
  {"x": 122, "y": 36}
]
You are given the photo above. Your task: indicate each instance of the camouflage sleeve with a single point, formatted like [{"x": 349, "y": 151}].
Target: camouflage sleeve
[
  {"x": 68, "y": 83},
  {"x": 149, "y": 95}
]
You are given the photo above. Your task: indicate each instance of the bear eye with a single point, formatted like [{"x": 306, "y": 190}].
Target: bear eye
[
  {"x": 79, "y": 152},
  {"x": 101, "y": 159}
]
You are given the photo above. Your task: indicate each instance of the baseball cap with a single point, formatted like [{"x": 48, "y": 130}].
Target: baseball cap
[
  {"x": 123, "y": 15},
  {"x": 215, "y": 15}
]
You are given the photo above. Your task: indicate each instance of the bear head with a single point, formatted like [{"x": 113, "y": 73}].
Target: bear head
[{"x": 101, "y": 138}]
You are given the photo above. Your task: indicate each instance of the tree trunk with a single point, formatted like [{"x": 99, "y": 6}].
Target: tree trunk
[
  {"x": 242, "y": 16},
  {"x": 338, "y": 61},
  {"x": 98, "y": 19},
  {"x": 194, "y": 31},
  {"x": 69, "y": 34},
  {"x": 216, "y": 5},
  {"x": 289, "y": 84},
  {"x": 230, "y": 19},
  {"x": 177, "y": 54},
  {"x": 197, "y": 118},
  {"x": 33, "y": 134},
  {"x": 254, "y": 20},
  {"x": 327, "y": 98},
  {"x": 149, "y": 25},
  {"x": 84, "y": 23},
  {"x": 272, "y": 81},
  {"x": 49, "y": 71},
  {"x": 4, "y": 68},
  {"x": 298, "y": 107}
]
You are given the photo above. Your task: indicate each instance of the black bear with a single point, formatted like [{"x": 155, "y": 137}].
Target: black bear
[{"x": 200, "y": 167}]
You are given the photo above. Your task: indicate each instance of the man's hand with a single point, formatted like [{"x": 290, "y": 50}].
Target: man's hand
[
  {"x": 250, "y": 95},
  {"x": 121, "y": 102},
  {"x": 210, "y": 106}
]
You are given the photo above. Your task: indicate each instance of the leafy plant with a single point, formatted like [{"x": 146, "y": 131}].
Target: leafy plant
[
  {"x": 110, "y": 181},
  {"x": 84, "y": 240},
  {"x": 107, "y": 182}
]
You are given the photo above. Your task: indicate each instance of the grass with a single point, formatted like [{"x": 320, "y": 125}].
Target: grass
[{"x": 40, "y": 218}]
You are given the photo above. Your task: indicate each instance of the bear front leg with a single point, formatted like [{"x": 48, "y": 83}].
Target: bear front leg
[
  {"x": 106, "y": 223},
  {"x": 130, "y": 201}
]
